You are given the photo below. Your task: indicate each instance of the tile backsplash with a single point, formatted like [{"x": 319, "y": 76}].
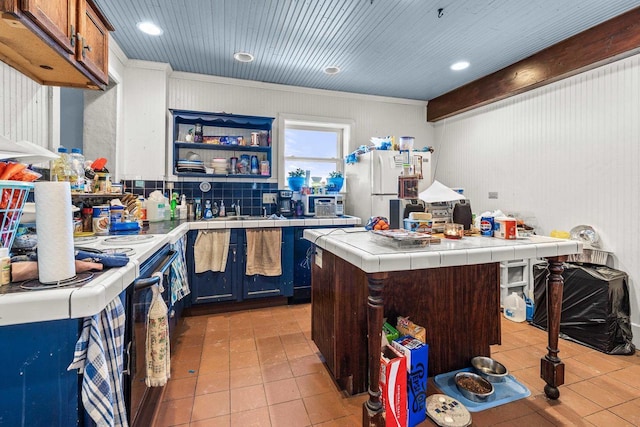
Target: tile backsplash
[{"x": 249, "y": 193}]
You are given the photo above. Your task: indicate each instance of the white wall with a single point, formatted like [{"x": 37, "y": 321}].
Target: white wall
[
  {"x": 562, "y": 155},
  {"x": 372, "y": 115},
  {"x": 145, "y": 115},
  {"x": 24, "y": 108}
]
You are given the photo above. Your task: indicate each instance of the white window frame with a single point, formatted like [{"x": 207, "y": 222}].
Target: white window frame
[{"x": 313, "y": 123}]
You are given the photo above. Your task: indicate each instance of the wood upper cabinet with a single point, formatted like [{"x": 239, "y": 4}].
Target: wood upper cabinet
[
  {"x": 93, "y": 41},
  {"x": 56, "y": 42},
  {"x": 56, "y": 18}
]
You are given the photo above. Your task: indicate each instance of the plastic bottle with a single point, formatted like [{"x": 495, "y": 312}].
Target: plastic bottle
[
  {"x": 60, "y": 168},
  {"x": 76, "y": 161},
  {"x": 198, "y": 208},
  {"x": 208, "y": 212},
  {"x": 174, "y": 205},
  {"x": 183, "y": 207},
  {"x": 5, "y": 267},
  {"x": 514, "y": 308},
  {"x": 223, "y": 210}
]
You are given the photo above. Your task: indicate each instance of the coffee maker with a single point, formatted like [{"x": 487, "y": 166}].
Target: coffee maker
[{"x": 285, "y": 203}]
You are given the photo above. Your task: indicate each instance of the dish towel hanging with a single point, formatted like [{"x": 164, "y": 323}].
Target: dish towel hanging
[
  {"x": 211, "y": 249},
  {"x": 179, "y": 282},
  {"x": 263, "y": 252},
  {"x": 98, "y": 355},
  {"x": 158, "y": 352}
]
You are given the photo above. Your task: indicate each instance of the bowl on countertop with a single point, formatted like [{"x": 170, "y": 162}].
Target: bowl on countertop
[
  {"x": 489, "y": 369},
  {"x": 473, "y": 386}
]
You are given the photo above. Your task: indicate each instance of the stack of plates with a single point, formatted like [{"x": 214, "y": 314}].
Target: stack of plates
[
  {"x": 219, "y": 166},
  {"x": 190, "y": 166}
]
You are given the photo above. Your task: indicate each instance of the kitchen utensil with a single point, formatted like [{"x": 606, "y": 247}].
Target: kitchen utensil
[
  {"x": 473, "y": 386},
  {"x": 489, "y": 369}
]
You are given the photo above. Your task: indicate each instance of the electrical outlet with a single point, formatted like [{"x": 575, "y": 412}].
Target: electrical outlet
[
  {"x": 268, "y": 198},
  {"x": 493, "y": 194}
]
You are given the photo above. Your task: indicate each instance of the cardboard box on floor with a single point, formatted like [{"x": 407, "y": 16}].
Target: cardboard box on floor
[
  {"x": 416, "y": 354},
  {"x": 393, "y": 386}
]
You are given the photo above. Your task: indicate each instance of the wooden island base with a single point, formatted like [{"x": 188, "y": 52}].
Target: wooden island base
[{"x": 458, "y": 306}]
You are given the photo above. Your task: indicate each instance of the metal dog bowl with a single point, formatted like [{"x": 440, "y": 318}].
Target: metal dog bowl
[
  {"x": 473, "y": 386},
  {"x": 489, "y": 369}
]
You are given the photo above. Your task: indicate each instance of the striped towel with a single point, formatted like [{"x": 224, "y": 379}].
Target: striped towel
[
  {"x": 98, "y": 354},
  {"x": 179, "y": 283}
]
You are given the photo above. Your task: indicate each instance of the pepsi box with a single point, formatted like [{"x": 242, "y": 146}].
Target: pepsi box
[{"x": 416, "y": 354}]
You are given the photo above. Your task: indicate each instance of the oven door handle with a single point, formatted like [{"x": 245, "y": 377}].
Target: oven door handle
[{"x": 147, "y": 282}]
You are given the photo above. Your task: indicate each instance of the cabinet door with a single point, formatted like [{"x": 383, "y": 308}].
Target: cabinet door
[
  {"x": 93, "y": 42},
  {"x": 55, "y": 17},
  {"x": 301, "y": 265},
  {"x": 214, "y": 286},
  {"x": 259, "y": 286}
]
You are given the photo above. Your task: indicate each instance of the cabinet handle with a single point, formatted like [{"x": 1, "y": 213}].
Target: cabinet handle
[
  {"x": 85, "y": 49},
  {"x": 73, "y": 36},
  {"x": 234, "y": 254},
  {"x": 127, "y": 370}
]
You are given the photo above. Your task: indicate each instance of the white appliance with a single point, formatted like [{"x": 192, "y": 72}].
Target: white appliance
[
  {"x": 310, "y": 202},
  {"x": 373, "y": 181}
]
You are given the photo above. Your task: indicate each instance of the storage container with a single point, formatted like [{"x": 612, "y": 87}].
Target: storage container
[{"x": 515, "y": 308}]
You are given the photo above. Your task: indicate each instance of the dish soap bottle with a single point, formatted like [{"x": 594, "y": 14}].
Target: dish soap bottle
[
  {"x": 223, "y": 210},
  {"x": 208, "y": 212}
]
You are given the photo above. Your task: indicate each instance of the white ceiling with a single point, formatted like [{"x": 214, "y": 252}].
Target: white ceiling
[{"x": 397, "y": 48}]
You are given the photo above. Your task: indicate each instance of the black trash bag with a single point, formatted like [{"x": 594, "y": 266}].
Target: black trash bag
[{"x": 595, "y": 306}]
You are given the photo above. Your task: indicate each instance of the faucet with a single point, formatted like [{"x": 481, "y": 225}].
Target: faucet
[
  {"x": 238, "y": 207},
  {"x": 264, "y": 211}
]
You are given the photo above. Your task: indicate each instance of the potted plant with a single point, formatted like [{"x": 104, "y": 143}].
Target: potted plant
[
  {"x": 296, "y": 179},
  {"x": 335, "y": 181}
]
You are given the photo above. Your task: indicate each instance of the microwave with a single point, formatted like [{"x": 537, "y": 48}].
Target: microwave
[{"x": 310, "y": 201}]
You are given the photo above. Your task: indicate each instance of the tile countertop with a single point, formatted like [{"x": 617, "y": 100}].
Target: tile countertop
[
  {"x": 356, "y": 246},
  {"x": 87, "y": 300}
]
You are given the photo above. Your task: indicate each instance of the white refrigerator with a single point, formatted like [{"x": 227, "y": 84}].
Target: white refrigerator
[{"x": 373, "y": 181}]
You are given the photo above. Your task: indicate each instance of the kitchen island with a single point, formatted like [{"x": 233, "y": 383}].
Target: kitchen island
[{"x": 451, "y": 288}]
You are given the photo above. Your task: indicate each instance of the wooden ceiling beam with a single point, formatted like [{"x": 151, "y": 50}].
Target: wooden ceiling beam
[{"x": 610, "y": 41}]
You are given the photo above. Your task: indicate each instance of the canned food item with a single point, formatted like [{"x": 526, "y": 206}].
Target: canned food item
[
  {"x": 486, "y": 226},
  {"x": 116, "y": 214},
  {"x": 101, "y": 220}
]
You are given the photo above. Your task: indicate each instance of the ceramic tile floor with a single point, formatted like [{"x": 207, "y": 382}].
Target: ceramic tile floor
[{"x": 260, "y": 368}]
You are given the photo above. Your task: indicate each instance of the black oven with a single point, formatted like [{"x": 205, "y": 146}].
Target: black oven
[{"x": 141, "y": 400}]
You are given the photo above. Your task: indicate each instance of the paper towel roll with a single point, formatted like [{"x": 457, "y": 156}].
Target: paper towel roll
[{"x": 54, "y": 221}]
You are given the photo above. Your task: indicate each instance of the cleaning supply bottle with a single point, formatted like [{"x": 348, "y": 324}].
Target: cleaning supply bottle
[
  {"x": 514, "y": 307},
  {"x": 208, "y": 211},
  {"x": 197, "y": 208},
  {"x": 174, "y": 204},
  {"x": 223, "y": 210},
  {"x": 183, "y": 207}
]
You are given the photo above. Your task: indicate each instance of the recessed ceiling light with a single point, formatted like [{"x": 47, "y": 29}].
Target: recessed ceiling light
[
  {"x": 332, "y": 70},
  {"x": 243, "y": 56},
  {"x": 461, "y": 65},
  {"x": 149, "y": 28}
]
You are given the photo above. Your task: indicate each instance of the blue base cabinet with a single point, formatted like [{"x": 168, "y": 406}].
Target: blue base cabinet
[
  {"x": 302, "y": 259},
  {"x": 37, "y": 390},
  {"x": 259, "y": 286},
  {"x": 217, "y": 286}
]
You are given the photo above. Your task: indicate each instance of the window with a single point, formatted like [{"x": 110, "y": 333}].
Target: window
[{"x": 315, "y": 146}]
